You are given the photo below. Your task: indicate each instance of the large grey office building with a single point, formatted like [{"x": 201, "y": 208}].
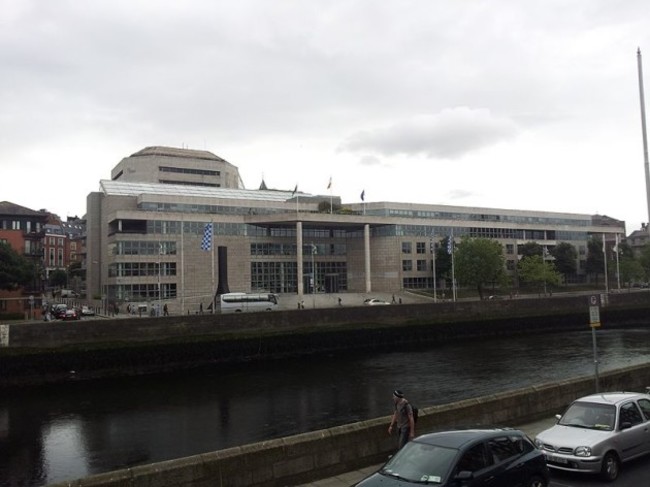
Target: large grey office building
[{"x": 170, "y": 221}]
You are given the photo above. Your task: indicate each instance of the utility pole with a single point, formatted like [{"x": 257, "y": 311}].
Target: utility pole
[{"x": 644, "y": 134}]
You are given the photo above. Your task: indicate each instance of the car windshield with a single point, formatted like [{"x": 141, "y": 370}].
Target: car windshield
[
  {"x": 421, "y": 463},
  {"x": 590, "y": 415}
]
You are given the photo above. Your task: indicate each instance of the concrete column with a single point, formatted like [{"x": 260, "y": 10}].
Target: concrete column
[
  {"x": 299, "y": 258},
  {"x": 366, "y": 255}
]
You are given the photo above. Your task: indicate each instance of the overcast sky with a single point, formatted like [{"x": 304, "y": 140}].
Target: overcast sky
[{"x": 502, "y": 103}]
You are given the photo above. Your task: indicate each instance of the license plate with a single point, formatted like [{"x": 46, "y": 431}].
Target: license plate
[{"x": 556, "y": 459}]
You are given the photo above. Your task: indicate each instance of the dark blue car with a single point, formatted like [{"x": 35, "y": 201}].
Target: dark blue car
[{"x": 465, "y": 458}]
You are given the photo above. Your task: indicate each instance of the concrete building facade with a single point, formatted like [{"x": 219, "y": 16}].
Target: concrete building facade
[{"x": 147, "y": 230}]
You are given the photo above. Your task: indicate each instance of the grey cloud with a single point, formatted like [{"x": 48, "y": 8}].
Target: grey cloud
[{"x": 449, "y": 134}]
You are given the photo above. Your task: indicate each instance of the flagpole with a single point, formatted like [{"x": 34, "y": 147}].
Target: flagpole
[
  {"x": 618, "y": 268},
  {"x": 329, "y": 186},
  {"x": 182, "y": 264},
  {"x": 605, "y": 264},
  {"x": 212, "y": 245},
  {"x": 453, "y": 266},
  {"x": 433, "y": 264}
]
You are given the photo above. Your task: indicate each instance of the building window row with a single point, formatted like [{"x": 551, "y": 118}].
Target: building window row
[
  {"x": 188, "y": 183},
  {"x": 141, "y": 292},
  {"x": 189, "y": 170},
  {"x": 138, "y": 247},
  {"x": 139, "y": 269}
]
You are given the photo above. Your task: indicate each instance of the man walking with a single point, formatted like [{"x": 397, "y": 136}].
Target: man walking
[{"x": 403, "y": 418}]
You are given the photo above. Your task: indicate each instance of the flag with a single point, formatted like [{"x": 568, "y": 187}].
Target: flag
[
  {"x": 616, "y": 246},
  {"x": 294, "y": 191},
  {"x": 363, "y": 195},
  {"x": 450, "y": 244},
  {"x": 206, "y": 242},
  {"x": 604, "y": 243},
  {"x": 329, "y": 185}
]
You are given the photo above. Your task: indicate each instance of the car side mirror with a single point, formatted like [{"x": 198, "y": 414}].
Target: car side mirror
[
  {"x": 464, "y": 476},
  {"x": 558, "y": 416}
]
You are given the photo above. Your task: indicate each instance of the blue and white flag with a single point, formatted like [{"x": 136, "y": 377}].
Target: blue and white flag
[
  {"x": 450, "y": 244},
  {"x": 206, "y": 242},
  {"x": 363, "y": 195}
]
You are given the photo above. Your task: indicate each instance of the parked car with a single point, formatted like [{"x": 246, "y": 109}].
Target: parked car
[
  {"x": 71, "y": 314},
  {"x": 375, "y": 302},
  {"x": 499, "y": 457},
  {"x": 87, "y": 311},
  {"x": 58, "y": 311},
  {"x": 599, "y": 432}
]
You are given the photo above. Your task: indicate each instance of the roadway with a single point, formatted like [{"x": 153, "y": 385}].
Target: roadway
[{"x": 633, "y": 474}]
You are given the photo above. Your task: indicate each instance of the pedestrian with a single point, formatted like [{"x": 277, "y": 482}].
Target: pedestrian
[
  {"x": 165, "y": 310},
  {"x": 393, "y": 299},
  {"x": 403, "y": 419},
  {"x": 302, "y": 304},
  {"x": 200, "y": 308},
  {"x": 340, "y": 301}
]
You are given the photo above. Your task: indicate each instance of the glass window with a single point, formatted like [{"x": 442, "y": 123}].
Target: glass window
[
  {"x": 630, "y": 414},
  {"x": 420, "y": 247},
  {"x": 422, "y": 265},
  {"x": 506, "y": 447},
  {"x": 474, "y": 459},
  {"x": 644, "y": 404},
  {"x": 406, "y": 247},
  {"x": 407, "y": 265}
]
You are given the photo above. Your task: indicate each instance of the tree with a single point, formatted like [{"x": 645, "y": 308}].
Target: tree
[
  {"x": 529, "y": 249},
  {"x": 631, "y": 270},
  {"x": 595, "y": 257},
  {"x": 58, "y": 278},
  {"x": 15, "y": 270},
  {"x": 479, "y": 261},
  {"x": 566, "y": 257},
  {"x": 443, "y": 259},
  {"x": 535, "y": 270},
  {"x": 644, "y": 260}
]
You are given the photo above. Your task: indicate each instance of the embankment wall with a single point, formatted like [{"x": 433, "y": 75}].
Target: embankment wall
[
  {"x": 319, "y": 454},
  {"x": 57, "y": 351}
]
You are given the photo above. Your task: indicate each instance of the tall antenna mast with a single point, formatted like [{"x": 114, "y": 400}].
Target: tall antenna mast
[{"x": 645, "y": 137}]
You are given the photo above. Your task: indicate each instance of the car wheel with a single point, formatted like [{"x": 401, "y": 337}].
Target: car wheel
[
  {"x": 536, "y": 481},
  {"x": 611, "y": 467}
]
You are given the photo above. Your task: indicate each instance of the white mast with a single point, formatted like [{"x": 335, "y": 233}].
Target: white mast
[{"x": 645, "y": 137}]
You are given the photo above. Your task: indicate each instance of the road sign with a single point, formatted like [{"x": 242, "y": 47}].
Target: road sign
[{"x": 594, "y": 316}]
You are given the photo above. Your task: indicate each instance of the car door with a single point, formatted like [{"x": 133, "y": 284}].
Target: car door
[
  {"x": 507, "y": 452},
  {"x": 644, "y": 404},
  {"x": 632, "y": 439},
  {"x": 478, "y": 461}
]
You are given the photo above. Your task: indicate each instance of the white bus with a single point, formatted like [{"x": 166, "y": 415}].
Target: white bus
[{"x": 241, "y": 302}]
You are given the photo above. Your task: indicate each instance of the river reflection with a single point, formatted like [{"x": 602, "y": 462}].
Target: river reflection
[{"x": 56, "y": 433}]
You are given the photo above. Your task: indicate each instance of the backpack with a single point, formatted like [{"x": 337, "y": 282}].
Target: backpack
[{"x": 415, "y": 413}]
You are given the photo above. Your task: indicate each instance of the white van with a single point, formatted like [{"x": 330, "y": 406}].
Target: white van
[{"x": 68, "y": 293}]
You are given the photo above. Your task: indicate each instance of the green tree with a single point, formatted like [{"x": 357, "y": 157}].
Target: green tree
[
  {"x": 535, "y": 270},
  {"x": 644, "y": 260},
  {"x": 443, "y": 259},
  {"x": 631, "y": 270},
  {"x": 566, "y": 257},
  {"x": 529, "y": 249},
  {"x": 15, "y": 270},
  {"x": 478, "y": 262},
  {"x": 595, "y": 257},
  {"x": 58, "y": 278}
]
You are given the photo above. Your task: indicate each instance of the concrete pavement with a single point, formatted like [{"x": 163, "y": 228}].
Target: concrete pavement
[{"x": 349, "y": 479}]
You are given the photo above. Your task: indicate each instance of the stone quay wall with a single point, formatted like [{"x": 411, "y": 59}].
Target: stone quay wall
[
  {"x": 320, "y": 454},
  {"x": 58, "y": 351}
]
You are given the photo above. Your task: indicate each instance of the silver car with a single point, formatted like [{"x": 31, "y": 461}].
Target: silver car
[{"x": 599, "y": 432}]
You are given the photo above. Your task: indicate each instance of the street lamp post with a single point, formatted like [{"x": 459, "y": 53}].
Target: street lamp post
[{"x": 314, "y": 251}]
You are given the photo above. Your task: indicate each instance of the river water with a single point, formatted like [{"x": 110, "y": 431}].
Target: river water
[{"x": 55, "y": 433}]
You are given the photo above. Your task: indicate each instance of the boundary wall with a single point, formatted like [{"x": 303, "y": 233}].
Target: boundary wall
[{"x": 320, "y": 454}]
